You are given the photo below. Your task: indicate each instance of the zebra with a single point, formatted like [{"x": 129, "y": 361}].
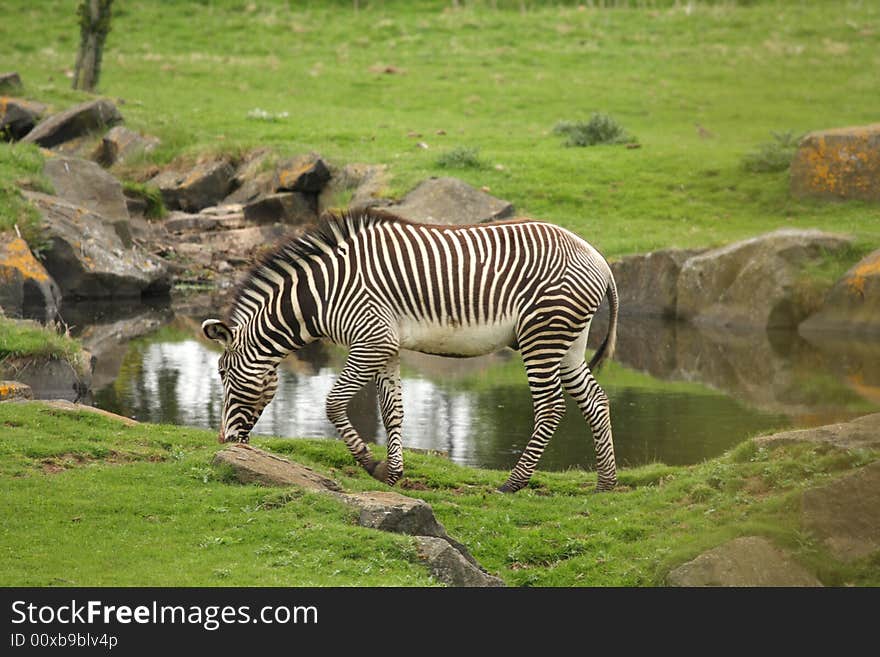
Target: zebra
[{"x": 377, "y": 283}]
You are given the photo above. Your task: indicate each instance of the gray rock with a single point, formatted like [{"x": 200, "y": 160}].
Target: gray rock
[
  {"x": 748, "y": 561},
  {"x": 447, "y": 565},
  {"x": 26, "y": 289},
  {"x": 241, "y": 242},
  {"x": 253, "y": 465},
  {"x": 15, "y": 390},
  {"x": 85, "y": 118},
  {"x": 87, "y": 257},
  {"x": 754, "y": 283},
  {"x": 450, "y": 201},
  {"x": 648, "y": 283},
  {"x": 845, "y": 514},
  {"x": 85, "y": 183},
  {"x": 366, "y": 182},
  {"x": 838, "y": 164},
  {"x": 204, "y": 185},
  {"x": 253, "y": 177},
  {"x": 186, "y": 222},
  {"x": 121, "y": 144},
  {"x": 9, "y": 81},
  {"x": 306, "y": 173},
  {"x": 852, "y": 305},
  {"x": 18, "y": 117},
  {"x": 861, "y": 433},
  {"x": 52, "y": 378},
  {"x": 293, "y": 208}
]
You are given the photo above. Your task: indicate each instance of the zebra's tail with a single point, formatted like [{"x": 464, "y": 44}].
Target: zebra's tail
[{"x": 605, "y": 352}]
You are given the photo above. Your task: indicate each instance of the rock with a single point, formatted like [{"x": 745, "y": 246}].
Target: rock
[
  {"x": 447, "y": 565},
  {"x": 15, "y": 390},
  {"x": 393, "y": 512},
  {"x": 72, "y": 407},
  {"x": 89, "y": 117},
  {"x": 52, "y": 378},
  {"x": 18, "y": 117},
  {"x": 121, "y": 144},
  {"x": 253, "y": 178},
  {"x": 86, "y": 184},
  {"x": 748, "y": 561},
  {"x": 184, "y": 222},
  {"x": 367, "y": 182},
  {"x": 307, "y": 173},
  {"x": 26, "y": 289},
  {"x": 205, "y": 184},
  {"x": 845, "y": 514},
  {"x": 293, "y": 208},
  {"x": 10, "y": 82},
  {"x": 754, "y": 283},
  {"x": 241, "y": 241},
  {"x": 838, "y": 164},
  {"x": 252, "y": 465},
  {"x": 861, "y": 433},
  {"x": 87, "y": 257},
  {"x": 450, "y": 201},
  {"x": 648, "y": 283},
  {"x": 852, "y": 305}
]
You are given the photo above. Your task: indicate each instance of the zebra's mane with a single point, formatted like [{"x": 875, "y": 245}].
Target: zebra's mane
[{"x": 331, "y": 230}]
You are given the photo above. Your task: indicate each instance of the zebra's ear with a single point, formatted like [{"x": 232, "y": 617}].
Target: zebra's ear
[{"x": 214, "y": 329}]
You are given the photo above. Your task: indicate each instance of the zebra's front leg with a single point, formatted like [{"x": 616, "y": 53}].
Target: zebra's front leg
[
  {"x": 363, "y": 363},
  {"x": 391, "y": 406}
]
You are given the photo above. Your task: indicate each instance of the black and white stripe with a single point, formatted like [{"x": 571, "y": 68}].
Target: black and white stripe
[{"x": 378, "y": 284}]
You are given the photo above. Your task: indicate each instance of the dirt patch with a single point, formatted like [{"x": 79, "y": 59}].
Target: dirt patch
[{"x": 411, "y": 484}]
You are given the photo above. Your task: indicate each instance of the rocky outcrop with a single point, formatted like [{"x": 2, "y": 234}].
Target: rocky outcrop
[
  {"x": 852, "y": 305},
  {"x": 838, "y": 164},
  {"x": 51, "y": 378},
  {"x": 861, "y": 433},
  {"x": 306, "y": 173},
  {"x": 88, "y": 258},
  {"x": 648, "y": 283},
  {"x": 10, "y": 81},
  {"x": 447, "y": 565},
  {"x": 15, "y": 390},
  {"x": 845, "y": 513},
  {"x": 85, "y": 183},
  {"x": 292, "y": 208},
  {"x": 121, "y": 144},
  {"x": 26, "y": 289},
  {"x": 748, "y": 561},
  {"x": 756, "y": 283},
  {"x": 203, "y": 185},
  {"x": 367, "y": 184},
  {"x": 450, "y": 201},
  {"x": 252, "y": 465},
  {"x": 18, "y": 117},
  {"x": 85, "y": 118}
]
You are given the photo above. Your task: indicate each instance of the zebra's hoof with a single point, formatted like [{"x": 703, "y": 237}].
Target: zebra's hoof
[
  {"x": 380, "y": 471},
  {"x": 507, "y": 487}
]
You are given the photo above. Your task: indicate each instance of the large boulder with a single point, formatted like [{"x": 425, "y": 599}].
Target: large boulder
[
  {"x": 88, "y": 258},
  {"x": 450, "y": 201},
  {"x": 845, "y": 514},
  {"x": 755, "y": 283},
  {"x": 121, "y": 144},
  {"x": 203, "y": 185},
  {"x": 18, "y": 117},
  {"x": 253, "y": 177},
  {"x": 26, "y": 289},
  {"x": 853, "y": 304},
  {"x": 85, "y": 183},
  {"x": 293, "y": 208},
  {"x": 306, "y": 173},
  {"x": 251, "y": 465},
  {"x": 648, "y": 283},
  {"x": 85, "y": 118},
  {"x": 749, "y": 561},
  {"x": 838, "y": 164}
]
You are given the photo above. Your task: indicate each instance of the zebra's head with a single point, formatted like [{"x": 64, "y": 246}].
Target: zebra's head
[{"x": 249, "y": 382}]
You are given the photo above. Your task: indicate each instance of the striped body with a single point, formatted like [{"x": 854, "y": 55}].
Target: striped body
[{"x": 378, "y": 284}]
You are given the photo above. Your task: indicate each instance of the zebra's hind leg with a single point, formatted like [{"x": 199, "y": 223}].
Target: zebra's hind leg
[
  {"x": 391, "y": 406},
  {"x": 580, "y": 383},
  {"x": 363, "y": 364}
]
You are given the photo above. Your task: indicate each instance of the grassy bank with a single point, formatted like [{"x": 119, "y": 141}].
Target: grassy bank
[
  {"x": 700, "y": 88},
  {"x": 24, "y": 339},
  {"x": 89, "y": 501}
]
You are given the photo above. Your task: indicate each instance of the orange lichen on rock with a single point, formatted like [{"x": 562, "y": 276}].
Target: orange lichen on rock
[
  {"x": 868, "y": 268},
  {"x": 16, "y": 254},
  {"x": 839, "y": 164}
]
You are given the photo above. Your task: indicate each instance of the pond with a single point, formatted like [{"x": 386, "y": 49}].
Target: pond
[{"x": 678, "y": 395}]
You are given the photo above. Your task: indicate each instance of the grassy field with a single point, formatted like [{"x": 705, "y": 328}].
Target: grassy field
[
  {"x": 700, "y": 88},
  {"x": 89, "y": 501}
]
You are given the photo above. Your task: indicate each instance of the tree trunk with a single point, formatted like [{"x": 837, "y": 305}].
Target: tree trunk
[{"x": 94, "y": 24}]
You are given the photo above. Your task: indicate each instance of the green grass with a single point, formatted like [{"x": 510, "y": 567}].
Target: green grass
[
  {"x": 28, "y": 339},
  {"x": 700, "y": 88},
  {"x": 21, "y": 165},
  {"x": 89, "y": 501}
]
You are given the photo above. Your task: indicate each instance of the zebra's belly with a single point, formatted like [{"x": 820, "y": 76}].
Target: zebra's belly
[{"x": 461, "y": 341}]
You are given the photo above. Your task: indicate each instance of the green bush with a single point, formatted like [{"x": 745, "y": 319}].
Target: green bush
[
  {"x": 600, "y": 129},
  {"x": 772, "y": 156}
]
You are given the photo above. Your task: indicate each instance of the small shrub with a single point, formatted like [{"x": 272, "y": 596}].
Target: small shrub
[
  {"x": 772, "y": 156},
  {"x": 151, "y": 195},
  {"x": 460, "y": 157},
  {"x": 600, "y": 129}
]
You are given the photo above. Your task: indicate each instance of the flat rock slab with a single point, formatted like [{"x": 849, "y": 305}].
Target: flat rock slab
[
  {"x": 18, "y": 117},
  {"x": 450, "y": 201},
  {"x": 15, "y": 390},
  {"x": 71, "y": 407},
  {"x": 748, "y": 561},
  {"x": 253, "y": 465},
  {"x": 852, "y": 305},
  {"x": 393, "y": 512},
  {"x": 306, "y": 173},
  {"x": 845, "y": 514},
  {"x": 861, "y": 433},
  {"x": 838, "y": 164},
  {"x": 447, "y": 565},
  {"x": 205, "y": 184},
  {"x": 82, "y": 119}
]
